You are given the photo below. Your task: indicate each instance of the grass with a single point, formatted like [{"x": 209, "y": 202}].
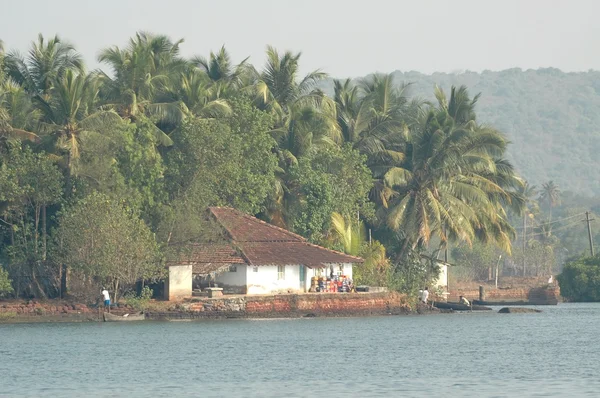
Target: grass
[{"x": 5, "y": 316}]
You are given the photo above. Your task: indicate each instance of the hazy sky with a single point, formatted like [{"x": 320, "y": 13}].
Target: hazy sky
[{"x": 344, "y": 38}]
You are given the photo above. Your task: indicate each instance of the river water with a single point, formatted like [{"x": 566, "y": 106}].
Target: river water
[{"x": 555, "y": 353}]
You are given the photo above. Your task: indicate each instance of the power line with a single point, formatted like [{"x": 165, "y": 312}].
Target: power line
[
  {"x": 553, "y": 222},
  {"x": 555, "y": 229}
]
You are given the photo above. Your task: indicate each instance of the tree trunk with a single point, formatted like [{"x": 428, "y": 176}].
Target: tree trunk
[
  {"x": 37, "y": 227},
  {"x": 40, "y": 293},
  {"x": 524, "y": 240},
  {"x": 116, "y": 289},
  {"x": 44, "y": 233}
]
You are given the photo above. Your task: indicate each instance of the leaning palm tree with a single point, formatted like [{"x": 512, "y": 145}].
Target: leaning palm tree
[{"x": 453, "y": 184}]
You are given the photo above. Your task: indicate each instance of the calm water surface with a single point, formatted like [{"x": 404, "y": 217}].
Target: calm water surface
[{"x": 552, "y": 354}]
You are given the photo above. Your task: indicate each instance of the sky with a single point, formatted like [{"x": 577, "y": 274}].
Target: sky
[{"x": 347, "y": 38}]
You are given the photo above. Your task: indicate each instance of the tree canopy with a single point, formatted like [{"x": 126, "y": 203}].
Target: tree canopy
[{"x": 121, "y": 164}]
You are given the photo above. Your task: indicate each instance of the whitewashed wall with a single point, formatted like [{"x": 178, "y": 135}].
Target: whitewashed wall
[
  {"x": 338, "y": 269},
  {"x": 265, "y": 281},
  {"x": 179, "y": 282},
  {"x": 233, "y": 282},
  {"x": 442, "y": 280}
]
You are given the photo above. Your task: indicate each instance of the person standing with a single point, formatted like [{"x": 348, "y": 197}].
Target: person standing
[
  {"x": 425, "y": 295},
  {"x": 106, "y": 296}
]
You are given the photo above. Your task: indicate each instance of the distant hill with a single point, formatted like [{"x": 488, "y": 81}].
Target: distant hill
[{"x": 552, "y": 119}]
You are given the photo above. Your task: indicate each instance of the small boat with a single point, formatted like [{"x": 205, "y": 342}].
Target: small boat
[
  {"x": 459, "y": 307},
  {"x": 108, "y": 317}
]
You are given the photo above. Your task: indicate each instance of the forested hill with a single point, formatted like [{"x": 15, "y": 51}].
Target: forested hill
[{"x": 552, "y": 119}]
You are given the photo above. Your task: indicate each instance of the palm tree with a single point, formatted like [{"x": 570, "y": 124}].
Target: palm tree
[
  {"x": 223, "y": 75},
  {"x": 372, "y": 112},
  {"x": 71, "y": 113},
  {"x": 305, "y": 117},
  {"x": 460, "y": 107},
  {"x": 453, "y": 184},
  {"x": 550, "y": 194},
  {"x": 195, "y": 95},
  {"x": 17, "y": 115},
  {"x": 278, "y": 87},
  {"x": 46, "y": 63},
  {"x": 351, "y": 235},
  {"x": 142, "y": 72}
]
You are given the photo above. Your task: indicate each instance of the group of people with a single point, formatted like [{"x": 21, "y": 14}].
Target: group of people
[{"x": 424, "y": 296}]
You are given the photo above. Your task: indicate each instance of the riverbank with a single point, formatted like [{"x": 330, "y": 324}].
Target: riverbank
[{"x": 238, "y": 306}]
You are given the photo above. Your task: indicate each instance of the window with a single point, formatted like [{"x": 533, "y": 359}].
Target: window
[
  {"x": 232, "y": 268},
  {"x": 280, "y": 272},
  {"x": 255, "y": 269}
]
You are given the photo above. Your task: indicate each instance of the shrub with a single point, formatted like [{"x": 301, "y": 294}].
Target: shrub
[{"x": 580, "y": 279}]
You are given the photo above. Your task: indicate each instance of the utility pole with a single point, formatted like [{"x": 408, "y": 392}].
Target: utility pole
[
  {"x": 524, "y": 238},
  {"x": 587, "y": 220}
]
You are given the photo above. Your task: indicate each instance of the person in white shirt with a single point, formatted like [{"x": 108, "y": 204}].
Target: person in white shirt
[
  {"x": 463, "y": 300},
  {"x": 425, "y": 295},
  {"x": 550, "y": 280},
  {"x": 106, "y": 296}
]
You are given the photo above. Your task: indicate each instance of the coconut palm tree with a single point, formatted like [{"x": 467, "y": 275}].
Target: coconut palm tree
[
  {"x": 71, "y": 113},
  {"x": 225, "y": 77},
  {"x": 195, "y": 94},
  {"x": 17, "y": 115},
  {"x": 305, "y": 116},
  {"x": 278, "y": 86},
  {"x": 453, "y": 184},
  {"x": 550, "y": 194},
  {"x": 46, "y": 63},
  {"x": 351, "y": 235},
  {"x": 141, "y": 73}
]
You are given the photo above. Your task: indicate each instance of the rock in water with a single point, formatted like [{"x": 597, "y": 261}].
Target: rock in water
[{"x": 517, "y": 310}]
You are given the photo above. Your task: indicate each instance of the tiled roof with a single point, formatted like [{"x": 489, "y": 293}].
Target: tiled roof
[
  {"x": 209, "y": 268},
  {"x": 255, "y": 242},
  {"x": 218, "y": 253},
  {"x": 245, "y": 228},
  {"x": 261, "y": 243},
  {"x": 286, "y": 253}
]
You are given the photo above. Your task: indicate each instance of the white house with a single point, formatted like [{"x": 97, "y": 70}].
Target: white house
[{"x": 254, "y": 257}]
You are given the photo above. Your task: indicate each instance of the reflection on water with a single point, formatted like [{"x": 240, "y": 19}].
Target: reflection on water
[{"x": 553, "y": 353}]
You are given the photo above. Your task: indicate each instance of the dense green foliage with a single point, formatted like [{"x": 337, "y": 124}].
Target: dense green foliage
[
  {"x": 5, "y": 283},
  {"x": 121, "y": 166},
  {"x": 101, "y": 238},
  {"x": 580, "y": 280}
]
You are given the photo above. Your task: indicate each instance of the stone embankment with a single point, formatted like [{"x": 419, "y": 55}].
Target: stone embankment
[
  {"x": 52, "y": 311},
  {"x": 267, "y": 306},
  {"x": 287, "y": 306},
  {"x": 542, "y": 295}
]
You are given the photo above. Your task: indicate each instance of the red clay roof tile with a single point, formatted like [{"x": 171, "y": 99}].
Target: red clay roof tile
[{"x": 256, "y": 242}]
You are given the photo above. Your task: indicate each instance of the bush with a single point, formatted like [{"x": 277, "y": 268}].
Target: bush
[
  {"x": 5, "y": 283},
  {"x": 142, "y": 301},
  {"x": 580, "y": 280}
]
